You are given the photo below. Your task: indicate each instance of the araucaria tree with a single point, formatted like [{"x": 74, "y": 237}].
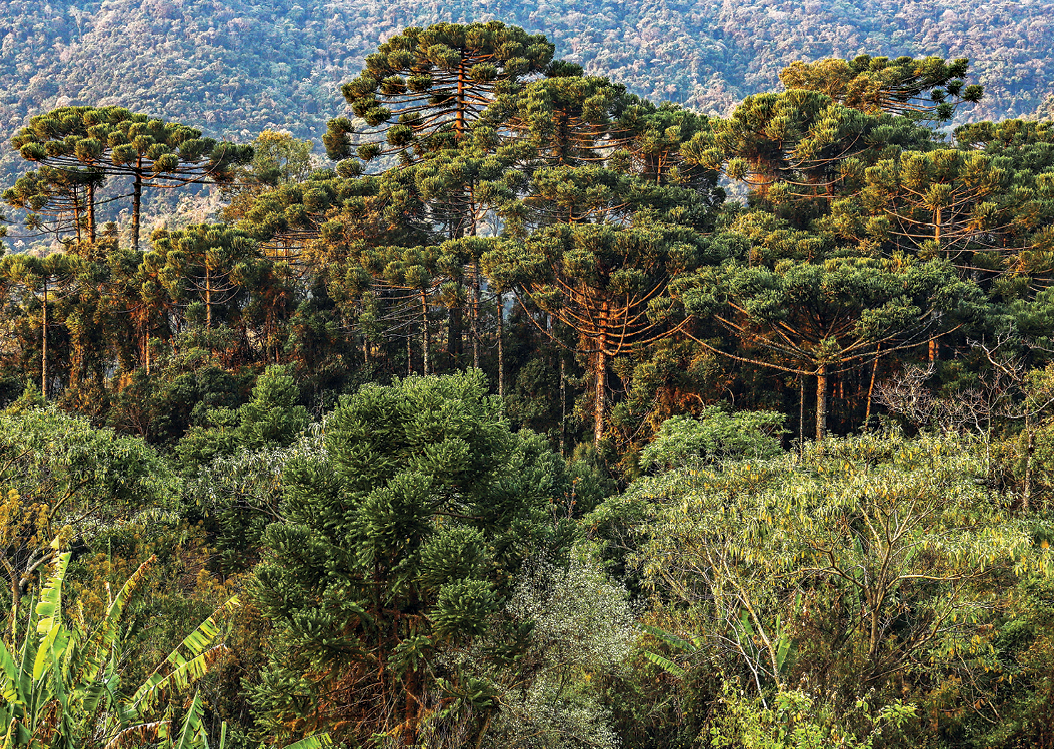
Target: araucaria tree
[
  {"x": 401, "y": 534},
  {"x": 608, "y": 283},
  {"x": 112, "y": 141},
  {"x": 422, "y": 90}
]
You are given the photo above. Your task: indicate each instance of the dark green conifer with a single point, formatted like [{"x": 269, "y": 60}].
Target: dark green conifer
[{"x": 399, "y": 540}]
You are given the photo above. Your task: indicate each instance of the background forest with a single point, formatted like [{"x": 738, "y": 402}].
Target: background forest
[
  {"x": 237, "y": 68},
  {"x": 504, "y": 425}
]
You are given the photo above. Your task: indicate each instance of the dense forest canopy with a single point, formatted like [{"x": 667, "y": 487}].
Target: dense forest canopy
[
  {"x": 505, "y": 426},
  {"x": 236, "y": 68}
]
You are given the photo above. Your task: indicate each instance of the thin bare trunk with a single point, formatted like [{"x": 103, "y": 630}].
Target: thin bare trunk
[
  {"x": 871, "y": 388},
  {"x": 453, "y": 337},
  {"x": 821, "y": 401},
  {"x": 873, "y": 635},
  {"x": 425, "y": 366},
  {"x": 410, "y": 710},
  {"x": 600, "y": 396},
  {"x": 1030, "y": 448},
  {"x": 459, "y": 122},
  {"x": 44, "y": 344},
  {"x": 208, "y": 297},
  {"x": 91, "y": 212},
  {"x": 77, "y": 216},
  {"x": 137, "y": 202},
  {"x": 483, "y": 731},
  {"x": 563, "y": 405},
  {"x": 475, "y": 315},
  {"x": 501, "y": 346}
]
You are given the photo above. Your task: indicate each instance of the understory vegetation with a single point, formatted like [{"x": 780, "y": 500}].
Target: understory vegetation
[{"x": 542, "y": 415}]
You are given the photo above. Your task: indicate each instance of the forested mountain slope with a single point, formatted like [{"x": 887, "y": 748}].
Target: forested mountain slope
[{"x": 236, "y": 67}]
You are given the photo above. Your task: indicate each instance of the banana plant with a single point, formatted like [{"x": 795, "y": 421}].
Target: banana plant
[
  {"x": 742, "y": 635},
  {"x": 686, "y": 647},
  {"x": 62, "y": 688}
]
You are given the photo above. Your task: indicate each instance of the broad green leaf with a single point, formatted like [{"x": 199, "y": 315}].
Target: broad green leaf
[
  {"x": 318, "y": 741},
  {"x": 665, "y": 664},
  {"x": 669, "y": 639},
  {"x": 49, "y": 609},
  {"x": 190, "y": 735},
  {"x": 191, "y": 660},
  {"x": 10, "y": 672}
]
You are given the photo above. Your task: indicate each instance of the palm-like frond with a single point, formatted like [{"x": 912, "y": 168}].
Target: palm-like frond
[
  {"x": 49, "y": 609},
  {"x": 189, "y": 663}
]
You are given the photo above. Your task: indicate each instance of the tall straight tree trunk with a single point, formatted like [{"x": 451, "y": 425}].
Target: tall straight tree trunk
[
  {"x": 475, "y": 314},
  {"x": 425, "y": 365},
  {"x": 600, "y": 372},
  {"x": 453, "y": 339},
  {"x": 137, "y": 202},
  {"x": 44, "y": 344},
  {"x": 563, "y": 405},
  {"x": 411, "y": 706},
  {"x": 77, "y": 217},
  {"x": 600, "y": 396},
  {"x": 459, "y": 122},
  {"x": 91, "y": 212},
  {"x": 821, "y": 401},
  {"x": 934, "y": 342},
  {"x": 801, "y": 416},
  {"x": 208, "y": 297},
  {"x": 871, "y": 386},
  {"x": 501, "y": 346},
  {"x": 76, "y": 365},
  {"x": 474, "y": 332},
  {"x": 1030, "y": 450}
]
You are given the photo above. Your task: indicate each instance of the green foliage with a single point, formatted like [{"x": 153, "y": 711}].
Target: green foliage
[
  {"x": 398, "y": 540},
  {"x": 715, "y": 436},
  {"x": 796, "y": 721},
  {"x": 97, "y": 142},
  {"x": 581, "y": 632},
  {"x": 414, "y": 573},
  {"x": 707, "y": 62},
  {"x": 818, "y": 317},
  {"x": 272, "y": 416},
  {"x": 788, "y": 568},
  {"x": 65, "y": 482},
  {"x": 923, "y": 90},
  {"x": 62, "y": 682},
  {"x": 423, "y": 89}
]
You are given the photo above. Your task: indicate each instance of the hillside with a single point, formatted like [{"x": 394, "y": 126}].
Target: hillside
[
  {"x": 511, "y": 431},
  {"x": 236, "y": 67}
]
